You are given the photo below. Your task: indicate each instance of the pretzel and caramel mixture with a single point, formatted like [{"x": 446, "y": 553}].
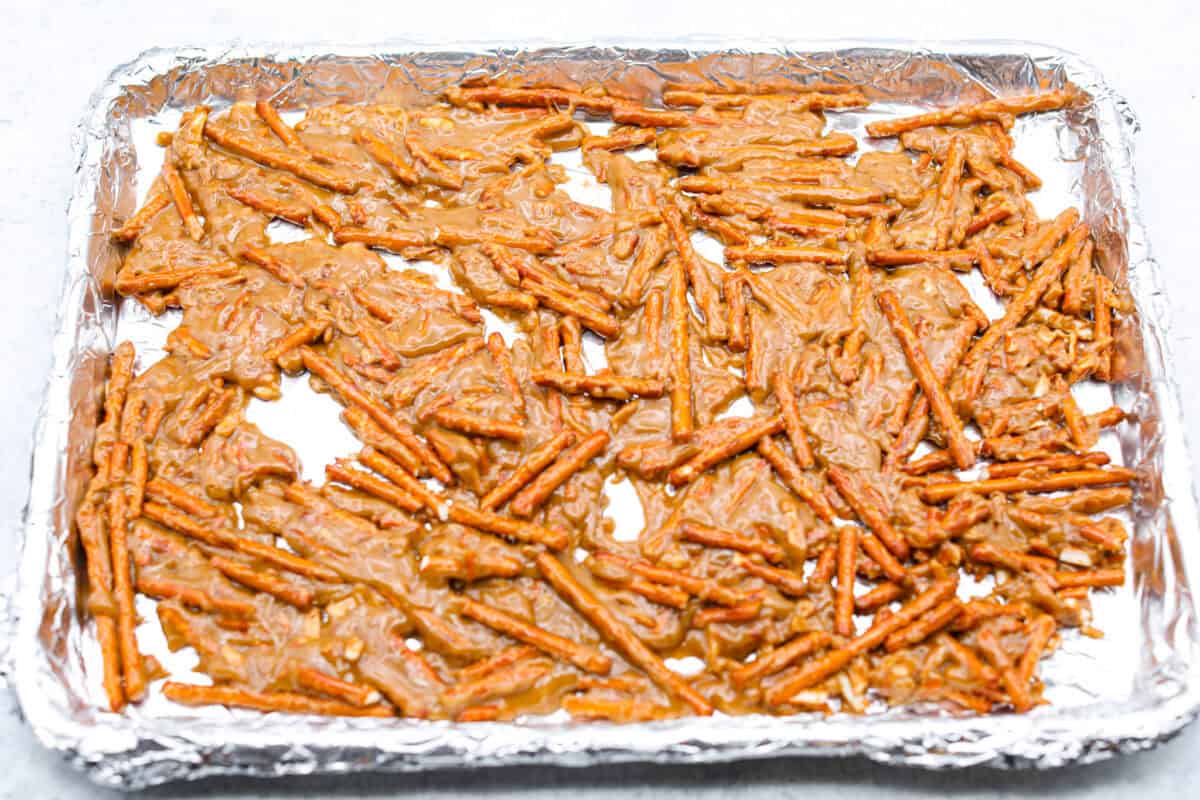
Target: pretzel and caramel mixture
[{"x": 460, "y": 564}]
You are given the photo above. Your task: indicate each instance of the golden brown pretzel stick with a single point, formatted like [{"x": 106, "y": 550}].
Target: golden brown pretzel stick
[
  {"x": 806, "y": 101},
  {"x": 540, "y": 458},
  {"x": 988, "y": 553},
  {"x": 793, "y": 478},
  {"x": 618, "y": 634},
  {"x": 477, "y": 425},
  {"x": 100, "y": 600},
  {"x": 881, "y": 555},
  {"x": 166, "y": 589},
  {"x": 961, "y": 260},
  {"x": 307, "y": 332},
  {"x": 274, "y": 265},
  {"x": 394, "y": 241},
  {"x": 222, "y": 538},
  {"x": 383, "y": 152},
  {"x": 981, "y": 220},
  {"x": 743, "y": 612},
  {"x": 706, "y": 590},
  {"x": 283, "y": 702},
  {"x": 789, "y": 407},
  {"x": 442, "y": 173},
  {"x": 506, "y": 657},
  {"x": 323, "y": 683},
  {"x": 378, "y": 461},
  {"x": 299, "y": 596},
  {"x": 882, "y": 595},
  {"x": 603, "y": 324},
  {"x": 370, "y": 434},
  {"x": 585, "y": 657},
  {"x": 504, "y": 365},
  {"x": 706, "y": 292},
  {"x": 139, "y": 468},
  {"x": 327, "y": 371},
  {"x": 567, "y": 464},
  {"x": 780, "y": 190},
  {"x": 298, "y": 213},
  {"x": 739, "y": 319},
  {"x": 989, "y": 110},
  {"x": 615, "y": 710},
  {"x": 847, "y": 562},
  {"x": 501, "y": 525},
  {"x": 552, "y": 97},
  {"x": 960, "y": 448},
  {"x": 1040, "y": 632},
  {"x": 1095, "y": 577},
  {"x": 921, "y": 629},
  {"x": 512, "y": 679},
  {"x": 363, "y": 481},
  {"x": 1102, "y": 313},
  {"x": 1069, "y": 461},
  {"x": 278, "y": 158},
  {"x": 182, "y": 339},
  {"x": 654, "y": 248},
  {"x": 679, "y": 365},
  {"x": 198, "y": 428},
  {"x": 785, "y": 581},
  {"x": 726, "y": 447},
  {"x": 947, "y": 191},
  {"x": 620, "y": 139},
  {"x": 605, "y": 386},
  {"x": 132, "y": 668},
  {"x": 1081, "y": 267},
  {"x": 1059, "y": 481},
  {"x": 1018, "y": 691},
  {"x": 133, "y": 227},
  {"x": 732, "y": 540},
  {"x": 182, "y": 201},
  {"x": 791, "y": 254},
  {"x": 867, "y": 511},
  {"x": 170, "y": 278},
  {"x": 780, "y": 658},
  {"x": 825, "y": 567},
  {"x": 268, "y": 114},
  {"x": 651, "y": 330}
]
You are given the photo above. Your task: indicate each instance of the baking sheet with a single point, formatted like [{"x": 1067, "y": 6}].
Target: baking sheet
[{"x": 1125, "y": 692}]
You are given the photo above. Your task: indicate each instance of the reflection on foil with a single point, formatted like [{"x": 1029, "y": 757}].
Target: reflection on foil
[{"x": 1128, "y": 691}]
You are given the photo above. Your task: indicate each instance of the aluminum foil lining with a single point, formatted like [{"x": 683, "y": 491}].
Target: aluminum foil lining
[{"x": 1128, "y": 691}]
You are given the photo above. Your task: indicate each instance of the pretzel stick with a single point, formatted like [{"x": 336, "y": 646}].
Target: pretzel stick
[
  {"x": 165, "y": 589},
  {"x": 717, "y": 537},
  {"x": 1017, "y": 690},
  {"x": 785, "y": 394},
  {"x": 100, "y": 601},
  {"x": 170, "y": 278},
  {"x": 793, "y": 478},
  {"x": 506, "y": 657},
  {"x": 476, "y": 425},
  {"x": 623, "y": 139},
  {"x": 778, "y": 254},
  {"x": 368, "y": 483},
  {"x": 680, "y": 357},
  {"x": 825, "y": 567},
  {"x": 286, "y": 134},
  {"x": 847, "y": 558},
  {"x": 299, "y": 596},
  {"x": 726, "y": 447},
  {"x": 610, "y": 387},
  {"x": 133, "y": 227},
  {"x": 540, "y": 458},
  {"x": 882, "y": 595},
  {"x": 743, "y": 612},
  {"x": 132, "y": 666},
  {"x": 808, "y": 101},
  {"x": 971, "y": 114},
  {"x": 1081, "y": 267},
  {"x": 707, "y": 294},
  {"x": 1040, "y": 632},
  {"x": 960, "y": 448},
  {"x": 706, "y": 590},
  {"x": 278, "y": 268},
  {"x": 306, "y": 333},
  {"x": 997, "y": 213},
  {"x": 551, "y": 97},
  {"x": 862, "y": 289},
  {"x": 182, "y": 201},
  {"x": 369, "y": 433},
  {"x": 620, "y": 710},
  {"x": 383, "y": 152},
  {"x": 735, "y": 298},
  {"x": 1096, "y": 577},
  {"x": 1102, "y": 313},
  {"x": 503, "y": 361},
  {"x": 920, "y": 630},
  {"x": 783, "y": 191},
  {"x": 299, "y": 165},
  {"x": 654, "y": 248},
  {"x": 947, "y": 191},
  {"x": 1049, "y": 464},
  {"x": 881, "y": 555},
  {"x": 317, "y": 681},
  {"x": 283, "y": 702},
  {"x": 785, "y": 581},
  {"x": 327, "y": 371},
  {"x": 201, "y": 425},
  {"x": 569, "y": 462},
  {"x": 378, "y": 461},
  {"x": 780, "y": 658},
  {"x": 501, "y": 525},
  {"x": 295, "y": 213},
  {"x": 582, "y": 656},
  {"x": 138, "y": 468},
  {"x": 867, "y": 511},
  {"x": 443, "y": 175},
  {"x": 1061, "y": 481},
  {"x": 1076, "y": 423},
  {"x": 220, "y": 538},
  {"x": 618, "y": 634}
]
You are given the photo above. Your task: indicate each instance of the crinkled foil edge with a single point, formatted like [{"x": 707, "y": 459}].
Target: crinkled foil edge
[{"x": 130, "y": 753}]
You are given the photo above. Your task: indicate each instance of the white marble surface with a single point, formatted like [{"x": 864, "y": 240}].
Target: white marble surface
[{"x": 52, "y": 55}]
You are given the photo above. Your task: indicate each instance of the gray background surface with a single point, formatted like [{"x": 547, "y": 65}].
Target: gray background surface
[{"x": 53, "y": 55}]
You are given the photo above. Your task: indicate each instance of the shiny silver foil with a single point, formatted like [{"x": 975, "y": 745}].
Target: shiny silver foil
[{"x": 1128, "y": 691}]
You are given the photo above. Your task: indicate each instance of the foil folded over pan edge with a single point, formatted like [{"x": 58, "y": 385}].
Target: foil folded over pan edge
[{"x": 130, "y": 752}]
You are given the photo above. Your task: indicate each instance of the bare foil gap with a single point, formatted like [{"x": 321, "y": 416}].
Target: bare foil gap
[{"x": 50, "y": 654}]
